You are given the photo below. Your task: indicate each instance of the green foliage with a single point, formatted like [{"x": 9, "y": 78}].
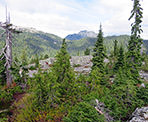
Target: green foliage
[
  {"x": 58, "y": 94},
  {"x": 3, "y": 119},
  {"x": 19, "y": 71},
  {"x": 87, "y": 51},
  {"x": 142, "y": 94},
  {"x": 84, "y": 112},
  {"x": 64, "y": 73},
  {"x": 27, "y": 113},
  {"x": 115, "y": 48},
  {"x": 42, "y": 43},
  {"x": 121, "y": 99},
  {"x": 45, "y": 89},
  {"x": 96, "y": 78},
  {"x": 46, "y": 56},
  {"x": 37, "y": 61},
  {"x": 120, "y": 60},
  {"x": 76, "y": 65},
  {"x": 134, "y": 59},
  {"x": 6, "y": 94},
  {"x": 99, "y": 52},
  {"x": 2, "y": 70},
  {"x": 145, "y": 65},
  {"x": 81, "y": 45},
  {"x": 24, "y": 60}
]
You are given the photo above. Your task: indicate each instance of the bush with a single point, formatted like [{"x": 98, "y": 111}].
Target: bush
[
  {"x": 6, "y": 94},
  {"x": 24, "y": 110},
  {"x": 142, "y": 94},
  {"x": 122, "y": 99},
  {"x": 84, "y": 112}
]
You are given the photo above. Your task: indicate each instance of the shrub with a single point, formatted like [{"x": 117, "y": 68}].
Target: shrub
[
  {"x": 24, "y": 110},
  {"x": 84, "y": 112}
]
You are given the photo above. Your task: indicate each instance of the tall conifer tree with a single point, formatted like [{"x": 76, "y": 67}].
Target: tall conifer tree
[
  {"x": 99, "y": 52},
  {"x": 135, "y": 43},
  {"x": 120, "y": 60},
  {"x": 115, "y": 48},
  {"x": 64, "y": 73}
]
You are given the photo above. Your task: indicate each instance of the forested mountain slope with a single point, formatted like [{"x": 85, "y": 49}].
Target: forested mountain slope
[{"x": 36, "y": 42}]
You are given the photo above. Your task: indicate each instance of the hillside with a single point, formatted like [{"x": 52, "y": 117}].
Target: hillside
[
  {"x": 37, "y": 42},
  {"x": 78, "y": 46},
  {"x": 34, "y": 42}
]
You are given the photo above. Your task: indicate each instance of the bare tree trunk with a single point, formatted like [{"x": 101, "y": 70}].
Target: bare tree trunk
[
  {"x": 7, "y": 50},
  {"x": 8, "y": 57}
]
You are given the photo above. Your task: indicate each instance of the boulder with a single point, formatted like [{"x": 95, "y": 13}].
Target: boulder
[{"x": 140, "y": 115}]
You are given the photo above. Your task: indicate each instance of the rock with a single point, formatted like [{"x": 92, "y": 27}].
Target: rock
[
  {"x": 146, "y": 116},
  {"x": 144, "y": 75},
  {"x": 81, "y": 60},
  {"x": 140, "y": 115},
  {"x": 143, "y": 85},
  {"x": 32, "y": 72},
  {"x": 83, "y": 63}
]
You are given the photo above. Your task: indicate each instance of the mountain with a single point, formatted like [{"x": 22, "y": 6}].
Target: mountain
[
  {"x": 77, "y": 47},
  {"x": 34, "y": 42},
  {"x": 81, "y": 35},
  {"x": 86, "y": 33},
  {"x": 37, "y": 42}
]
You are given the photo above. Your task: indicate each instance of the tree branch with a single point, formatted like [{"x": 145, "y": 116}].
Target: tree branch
[
  {"x": 98, "y": 110},
  {"x": 2, "y": 34}
]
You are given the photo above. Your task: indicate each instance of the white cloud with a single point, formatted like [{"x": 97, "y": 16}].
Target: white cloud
[{"x": 63, "y": 17}]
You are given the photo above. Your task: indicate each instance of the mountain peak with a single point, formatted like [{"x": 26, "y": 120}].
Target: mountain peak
[
  {"x": 82, "y": 34},
  {"x": 86, "y": 33}
]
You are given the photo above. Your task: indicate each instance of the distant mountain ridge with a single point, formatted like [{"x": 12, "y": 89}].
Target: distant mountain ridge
[
  {"x": 34, "y": 42},
  {"x": 41, "y": 43},
  {"x": 81, "y": 35}
]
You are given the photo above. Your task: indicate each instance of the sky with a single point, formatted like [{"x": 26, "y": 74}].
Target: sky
[{"x": 63, "y": 17}]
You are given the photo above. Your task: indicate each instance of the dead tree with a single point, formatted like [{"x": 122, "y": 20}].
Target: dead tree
[{"x": 7, "y": 50}]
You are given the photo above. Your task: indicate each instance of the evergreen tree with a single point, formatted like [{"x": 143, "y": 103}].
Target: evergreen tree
[
  {"x": 120, "y": 60},
  {"x": 64, "y": 72},
  {"x": 123, "y": 96},
  {"x": 115, "y": 48},
  {"x": 87, "y": 51},
  {"x": 99, "y": 52},
  {"x": 46, "y": 56},
  {"x": 36, "y": 60},
  {"x": 19, "y": 70},
  {"x": 24, "y": 60},
  {"x": 2, "y": 70},
  {"x": 135, "y": 42}
]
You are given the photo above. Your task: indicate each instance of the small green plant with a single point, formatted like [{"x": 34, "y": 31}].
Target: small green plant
[
  {"x": 84, "y": 112},
  {"x": 76, "y": 65},
  {"x": 87, "y": 51}
]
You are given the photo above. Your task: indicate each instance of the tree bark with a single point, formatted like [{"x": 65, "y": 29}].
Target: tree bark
[{"x": 8, "y": 57}]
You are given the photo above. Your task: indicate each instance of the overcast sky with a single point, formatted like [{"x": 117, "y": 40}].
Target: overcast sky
[{"x": 63, "y": 17}]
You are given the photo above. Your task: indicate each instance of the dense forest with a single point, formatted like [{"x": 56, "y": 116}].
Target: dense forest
[{"x": 111, "y": 92}]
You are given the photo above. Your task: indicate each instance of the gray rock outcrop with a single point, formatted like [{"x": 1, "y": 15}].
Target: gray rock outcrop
[
  {"x": 81, "y": 64},
  {"x": 140, "y": 115},
  {"x": 144, "y": 75}
]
